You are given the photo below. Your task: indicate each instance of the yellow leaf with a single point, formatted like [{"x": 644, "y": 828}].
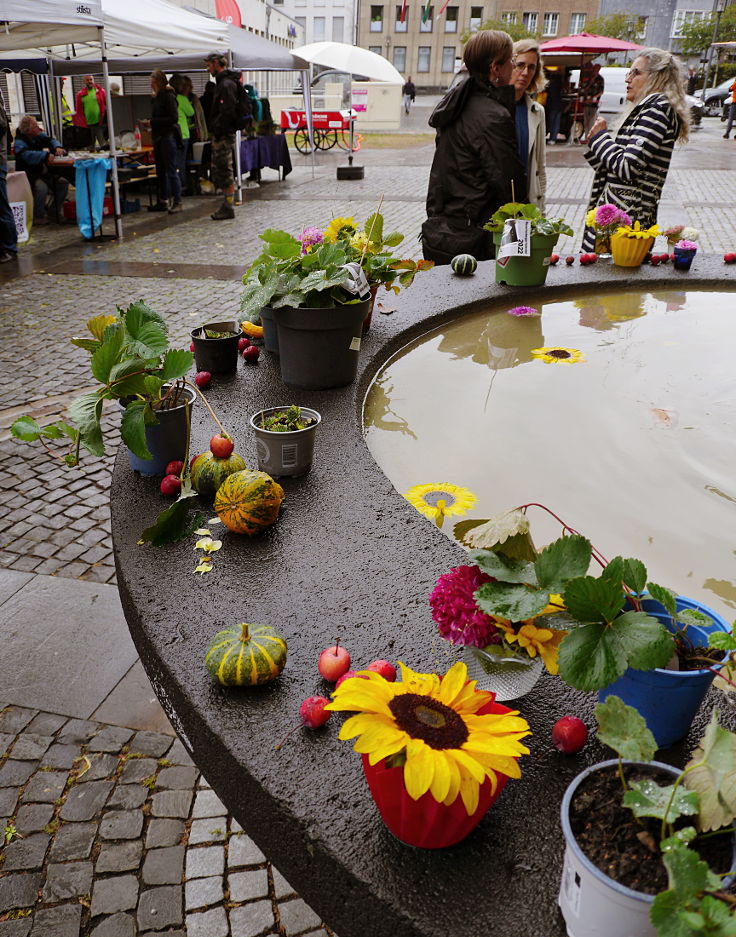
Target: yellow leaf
[
  {"x": 98, "y": 324},
  {"x": 203, "y": 568}
]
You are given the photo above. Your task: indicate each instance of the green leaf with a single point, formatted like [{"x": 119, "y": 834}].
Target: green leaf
[
  {"x": 52, "y": 431},
  {"x": 176, "y": 364},
  {"x": 626, "y": 572},
  {"x": 173, "y": 524},
  {"x": 691, "y": 616},
  {"x": 712, "y": 775},
  {"x": 688, "y": 874},
  {"x": 646, "y": 798},
  {"x": 133, "y": 429},
  {"x": 590, "y": 657},
  {"x": 106, "y": 356},
  {"x": 511, "y": 601},
  {"x": 88, "y": 344},
  {"x": 393, "y": 239},
  {"x": 145, "y": 334},
  {"x": 565, "y": 559},
  {"x": 623, "y": 729},
  {"x": 86, "y": 412},
  {"x": 646, "y": 642},
  {"x": 723, "y": 640},
  {"x": 685, "y": 834},
  {"x": 507, "y": 533},
  {"x": 70, "y": 431},
  {"x": 290, "y": 299},
  {"x": 503, "y": 568},
  {"x": 26, "y": 429},
  {"x": 276, "y": 236},
  {"x": 591, "y": 600},
  {"x": 373, "y": 227},
  {"x": 664, "y": 596}
]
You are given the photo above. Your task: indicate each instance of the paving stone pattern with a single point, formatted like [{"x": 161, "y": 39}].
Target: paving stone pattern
[{"x": 109, "y": 832}]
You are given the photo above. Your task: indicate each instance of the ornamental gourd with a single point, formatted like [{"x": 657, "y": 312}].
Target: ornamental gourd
[
  {"x": 464, "y": 265},
  {"x": 247, "y": 502},
  {"x": 246, "y": 655},
  {"x": 209, "y": 472}
]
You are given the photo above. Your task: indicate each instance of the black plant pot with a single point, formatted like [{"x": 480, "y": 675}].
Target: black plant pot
[
  {"x": 270, "y": 334},
  {"x": 217, "y": 355}
]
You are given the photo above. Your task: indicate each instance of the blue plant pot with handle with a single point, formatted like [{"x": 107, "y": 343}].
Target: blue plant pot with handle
[
  {"x": 669, "y": 699},
  {"x": 166, "y": 439}
]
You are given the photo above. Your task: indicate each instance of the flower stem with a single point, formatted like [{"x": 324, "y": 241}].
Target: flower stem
[
  {"x": 596, "y": 554},
  {"x": 212, "y": 412}
]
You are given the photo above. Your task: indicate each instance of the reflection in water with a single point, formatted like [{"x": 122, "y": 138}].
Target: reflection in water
[{"x": 635, "y": 446}]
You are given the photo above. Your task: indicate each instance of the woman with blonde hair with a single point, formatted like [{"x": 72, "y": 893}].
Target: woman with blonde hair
[
  {"x": 528, "y": 80},
  {"x": 631, "y": 166},
  {"x": 164, "y": 124}
]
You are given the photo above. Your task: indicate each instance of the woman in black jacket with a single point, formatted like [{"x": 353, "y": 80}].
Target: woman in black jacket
[
  {"x": 164, "y": 124},
  {"x": 476, "y": 166}
]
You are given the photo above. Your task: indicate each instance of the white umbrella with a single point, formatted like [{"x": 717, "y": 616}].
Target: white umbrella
[{"x": 351, "y": 59}]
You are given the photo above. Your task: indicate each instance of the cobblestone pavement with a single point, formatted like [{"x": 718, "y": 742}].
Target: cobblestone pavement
[
  {"x": 116, "y": 845},
  {"x": 109, "y": 832}
]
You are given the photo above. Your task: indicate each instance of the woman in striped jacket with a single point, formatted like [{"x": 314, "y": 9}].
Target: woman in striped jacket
[{"x": 631, "y": 166}]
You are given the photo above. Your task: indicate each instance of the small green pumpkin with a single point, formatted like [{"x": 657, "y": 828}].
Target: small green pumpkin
[
  {"x": 464, "y": 265},
  {"x": 246, "y": 655},
  {"x": 209, "y": 472},
  {"x": 248, "y": 502}
]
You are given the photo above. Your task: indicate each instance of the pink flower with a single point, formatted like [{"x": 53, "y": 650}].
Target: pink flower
[
  {"x": 687, "y": 245},
  {"x": 309, "y": 237},
  {"x": 608, "y": 214},
  {"x": 523, "y": 311},
  {"x": 459, "y": 619}
]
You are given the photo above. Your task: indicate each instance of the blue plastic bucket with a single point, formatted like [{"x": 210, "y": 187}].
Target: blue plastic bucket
[
  {"x": 669, "y": 699},
  {"x": 166, "y": 439}
]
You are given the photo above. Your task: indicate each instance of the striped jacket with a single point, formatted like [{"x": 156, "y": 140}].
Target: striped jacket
[{"x": 631, "y": 168}]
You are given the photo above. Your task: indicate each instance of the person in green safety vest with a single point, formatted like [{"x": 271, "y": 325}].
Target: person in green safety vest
[{"x": 90, "y": 106}]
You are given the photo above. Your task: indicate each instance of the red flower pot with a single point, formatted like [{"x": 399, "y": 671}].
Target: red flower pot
[{"x": 425, "y": 822}]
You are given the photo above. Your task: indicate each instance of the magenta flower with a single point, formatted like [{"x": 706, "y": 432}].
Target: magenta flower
[
  {"x": 309, "y": 237},
  {"x": 687, "y": 245},
  {"x": 608, "y": 214},
  {"x": 458, "y": 618},
  {"x": 527, "y": 311}
]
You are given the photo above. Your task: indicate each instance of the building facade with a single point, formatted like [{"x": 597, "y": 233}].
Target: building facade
[{"x": 332, "y": 20}]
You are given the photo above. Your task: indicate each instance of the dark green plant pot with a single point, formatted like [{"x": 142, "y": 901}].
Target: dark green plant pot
[
  {"x": 270, "y": 335},
  {"x": 217, "y": 355},
  {"x": 319, "y": 348},
  {"x": 526, "y": 271}
]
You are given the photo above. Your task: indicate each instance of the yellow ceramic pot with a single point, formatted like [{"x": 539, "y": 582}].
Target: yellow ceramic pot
[{"x": 629, "y": 252}]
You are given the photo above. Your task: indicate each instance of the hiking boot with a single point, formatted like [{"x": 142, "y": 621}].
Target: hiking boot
[
  {"x": 224, "y": 211},
  {"x": 175, "y": 207},
  {"x": 159, "y": 206}
]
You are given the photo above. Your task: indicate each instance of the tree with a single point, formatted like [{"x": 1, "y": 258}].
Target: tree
[
  {"x": 627, "y": 26},
  {"x": 696, "y": 37},
  {"x": 515, "y": 30}
]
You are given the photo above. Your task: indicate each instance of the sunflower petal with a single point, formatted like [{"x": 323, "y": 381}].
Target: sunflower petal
[
  {"x": 469, "y": 791},
  {"x": 453, "y": 682},
  {"x": 419, "y": 768},
  {"x": 440, "y": 786}
]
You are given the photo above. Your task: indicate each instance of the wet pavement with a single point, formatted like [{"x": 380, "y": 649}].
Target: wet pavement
[{"x": 102, "y": 856}]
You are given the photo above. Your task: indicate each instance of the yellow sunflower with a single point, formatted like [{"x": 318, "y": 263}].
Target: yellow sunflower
[
  {"x": 449, "y": 749},
  {"x": 333, "y": 229},
  {"x": 557, "y": 355},
  {"x": 439, "y": 501}
]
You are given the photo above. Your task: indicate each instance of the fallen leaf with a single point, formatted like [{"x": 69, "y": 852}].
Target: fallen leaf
[
  {"x": 202, "y": 532},
  {"x": 203, "y": 568},
  {"x": 664, "y": 416},
  {"x": 386, "y": 310}
]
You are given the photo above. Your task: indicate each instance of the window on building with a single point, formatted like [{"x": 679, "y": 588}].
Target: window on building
[
  {"x": 400, "y": 27},
  {"x": 318, "y": 28},
  {"x": 400, "y": 58},
  {"x": 448, "y": 59},
  {"x": 302, "y": 21},
  {"x": 338, "y": 29},
  {"x": 550, "y": 24},
  {"x": 642, "y": 30},
  {"x": 509, "y": 18},
  {"x": 426, "y": 19},
  {"x": 476, "y": 17},
  {"x": 577, "y": 23},
  {"x": 376, "y": 19},
  {"x": 451, "y": 20},
  {"x": 424, "y": 54},
  {"x": 377, "y": 49},
  {"x": 529, "y": 21},
  {"x": 682, "y": 17}
]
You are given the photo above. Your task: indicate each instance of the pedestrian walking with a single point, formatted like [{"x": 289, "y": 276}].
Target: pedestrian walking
[
  {"x": 90, "y": 106},
  {"x": 631, "y": 166},
  {"x": 692, "y": 80},
  {"x": 409, "y": 93},
  {"x": 731, "y": 111},
  {"x": 553, "y": 107},
  {"x": 592, "y": 86},
  {"x": 223, "y": 121},
  {"x": 527, "y": 79},
  {"x": 164, "y": 124},
  {"x": 8, "y": 233}
]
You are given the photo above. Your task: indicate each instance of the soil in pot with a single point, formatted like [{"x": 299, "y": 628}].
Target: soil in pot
[{"x": 625, "y": 848}]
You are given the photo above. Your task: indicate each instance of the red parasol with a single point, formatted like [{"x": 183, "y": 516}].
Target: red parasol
[{"x": 587, "y": 42}]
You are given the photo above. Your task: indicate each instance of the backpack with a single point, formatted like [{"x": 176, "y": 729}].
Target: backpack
[{"x": 243, "y": 108}]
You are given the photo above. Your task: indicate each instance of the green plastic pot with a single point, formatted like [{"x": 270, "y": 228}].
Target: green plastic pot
[{"x": 526, "y": 271}]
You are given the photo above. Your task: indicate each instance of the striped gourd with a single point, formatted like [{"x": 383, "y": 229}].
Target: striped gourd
[
  {"x": 209, "y": 472},
  {"x": 464, "y": 265},
  {"x": 248, "y": 502},
  {"x": 246, "y": 655}
]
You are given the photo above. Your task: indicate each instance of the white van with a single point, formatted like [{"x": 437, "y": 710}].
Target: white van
[{"x": 614, "y": 88}]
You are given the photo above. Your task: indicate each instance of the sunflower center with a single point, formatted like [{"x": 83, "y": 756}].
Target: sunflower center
[
  {"x": 437, "y": 499},
  {"x": 559, "y": 353},
  {"x": 428, "y": 719}
]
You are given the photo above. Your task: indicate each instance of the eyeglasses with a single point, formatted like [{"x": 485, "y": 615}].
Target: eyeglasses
[
  {"x": 524, "y": 66},
  {"x": 633, "y": 72}
]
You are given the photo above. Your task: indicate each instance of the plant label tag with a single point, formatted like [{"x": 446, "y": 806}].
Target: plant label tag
[
  {"x": 516, "y": 240},
  {"x": 570, "y": 889},
  {"x": 356, "y": 281},
  {"x": 355, "y": 343}
]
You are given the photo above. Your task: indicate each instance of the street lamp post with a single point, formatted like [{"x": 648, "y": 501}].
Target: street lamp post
[{"x": 718, "y": 8}]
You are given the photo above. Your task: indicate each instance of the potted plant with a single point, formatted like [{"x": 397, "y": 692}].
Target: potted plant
[
  {"x": 131, "y": 359},
  {"x": 605, "y": 221},
  {"x": 685, "y": 252},
  {"x": 637, "y": 832},
  {"x": 408, "y": 730},
  {"x": 608, "y": 634},
  {"x": 630, "y": 244},
  {"x": 525, "y": 270},
  {"x": 285, "y": 439},
  {"x": 216, "y": 346}
]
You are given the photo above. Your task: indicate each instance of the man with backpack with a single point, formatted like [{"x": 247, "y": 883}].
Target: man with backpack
[{"x": 230, "y": 111}]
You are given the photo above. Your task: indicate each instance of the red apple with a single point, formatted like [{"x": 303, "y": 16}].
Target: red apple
[
  {"x": 221, "y": 446},
  {"x": 569, "y": 734},
  {"x": 730, "y": 258},
  {"x": 191, "y": 347},
  {"x": 554, "y": 258},
  {"x": 385, "y": 668},
  {"x": 203, "y": 379},
  {"x": 174, "y": 468},
  {"x": 171, "y": 485},
  {"x": 243, "y": 343},
  {"x": 251, "y": 354},
  {"x": 654, "y": 260},
  {"x": 664, "y": 258},
  {"x": 593, "y": 258},
  {"x": 348, "y": 674},
  {"x": 333, "y": 662},
  {"x": 569, "y": 261},
  {"x": 312, "y": 712}
]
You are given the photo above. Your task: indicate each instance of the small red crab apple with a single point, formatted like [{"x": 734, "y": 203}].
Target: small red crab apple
[
  {"x": 333, "y": 662},
  {"x": 170, "y": 485},
  {"x": 251, "y": 354},
  {"x": 385, "y": 668},
  {"x": 312, "y": 715},
  {"x": 569, "y": 261},
  {"x": 554, "y": 258},
  {"x": 730, "y": 258},
  {"x": 221, "y": 446},
  {"x": 174, "y": 468},
  {"x": 203, "y": 379},
  {"x": 569, "y": 734},
  {"x": 243, "y": 343}
]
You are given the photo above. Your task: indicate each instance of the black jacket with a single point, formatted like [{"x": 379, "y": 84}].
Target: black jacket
[
  {"x": 476, "y": 159},
  {"x": 4, "y": 137},
  {"x": 223, "y": 116},
  {"x": 164, "y": 113}
]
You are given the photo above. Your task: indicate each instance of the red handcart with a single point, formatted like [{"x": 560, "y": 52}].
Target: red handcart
[{"x": 329, "y": 127}]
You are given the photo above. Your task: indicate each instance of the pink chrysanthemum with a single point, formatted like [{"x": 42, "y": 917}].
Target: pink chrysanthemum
[
  {"x": 458, "y": 618},
  {"x": 687, "y": 245},
  {"x": 606, "y": 215},
  {"x": 528, "y": 311},
  {"x": 309, "y": 237}
]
